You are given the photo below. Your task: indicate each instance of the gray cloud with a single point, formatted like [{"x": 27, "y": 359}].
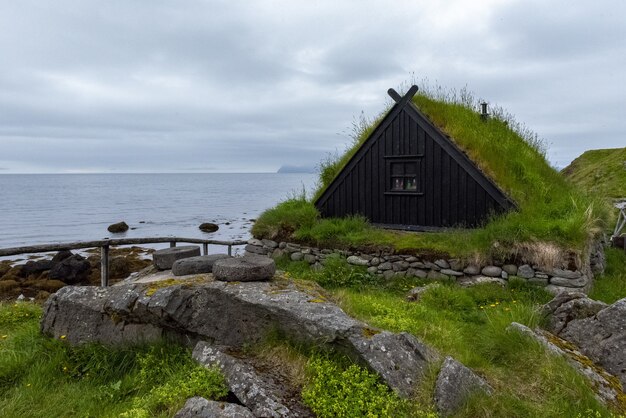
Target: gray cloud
[{"x": 223, "y": 86}]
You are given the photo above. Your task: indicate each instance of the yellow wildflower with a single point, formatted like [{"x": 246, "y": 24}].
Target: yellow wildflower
[
  {"x": 492, "y": 305},
  {"x": 63, "y": 337}
]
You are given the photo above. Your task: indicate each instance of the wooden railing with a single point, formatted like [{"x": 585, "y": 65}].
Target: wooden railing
[{"x": 104, "y": 245}]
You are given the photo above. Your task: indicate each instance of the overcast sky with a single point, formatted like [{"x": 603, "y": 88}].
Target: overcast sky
[{"x": 186, "y": 86}]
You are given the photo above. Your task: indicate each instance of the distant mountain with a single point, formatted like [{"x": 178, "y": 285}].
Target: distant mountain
[
  {"x": 601, "y": 172},
  {"x": 296, "y": 169}
]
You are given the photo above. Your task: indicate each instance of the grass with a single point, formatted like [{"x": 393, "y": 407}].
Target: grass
[
  {"x": 611, "y": 286},
  {"x": 469, "y": 324},
  {"x": 42, "y": 377},
  {"x": 551, "y": 209},
  {"x": 601, "y": 172}
]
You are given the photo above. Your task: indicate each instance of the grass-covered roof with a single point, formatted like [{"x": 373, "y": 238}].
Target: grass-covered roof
[{"x": 550, "y": 209}]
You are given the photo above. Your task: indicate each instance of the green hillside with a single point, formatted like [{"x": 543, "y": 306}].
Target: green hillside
[{"x": 601, "y": 172}]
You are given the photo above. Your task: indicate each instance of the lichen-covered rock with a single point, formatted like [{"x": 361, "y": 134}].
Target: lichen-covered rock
[
  {"x": 455, "y": 383},
  {"x": 244, "y": 269},
  {"x": 256, "y": 393},
  {"x": 198, "y": 407},
  {"x": 607, "y": 391},
  {"x": 231, "y": 314},
  {"x": 598, "y": 330}
]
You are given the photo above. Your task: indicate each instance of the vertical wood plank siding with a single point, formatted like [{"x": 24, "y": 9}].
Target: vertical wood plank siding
[{"x": 451, "y": 191}]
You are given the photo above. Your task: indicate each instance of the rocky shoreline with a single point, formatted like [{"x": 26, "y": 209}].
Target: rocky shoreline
[{"x": 37, "y": 276}]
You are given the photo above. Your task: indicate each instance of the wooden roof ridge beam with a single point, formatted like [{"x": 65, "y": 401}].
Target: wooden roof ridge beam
[{"x": 407, "y": 97}]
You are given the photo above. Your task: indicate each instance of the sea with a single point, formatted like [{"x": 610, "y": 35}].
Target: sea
[{"x": 53, "y": 208}]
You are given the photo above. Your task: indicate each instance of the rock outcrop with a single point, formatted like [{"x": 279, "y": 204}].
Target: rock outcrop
[
  {"x": 232, "y": 314},
  {"x": 198, "y": 407},
  {"x": 598, "y": 330},
  {"x": 72, "y": 270},
  {"x": 455, "y": 383},
  {"x": 244, "y": 382}
]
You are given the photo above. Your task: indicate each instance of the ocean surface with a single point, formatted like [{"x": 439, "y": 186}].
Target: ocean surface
[{"x": 40, "y": 209}]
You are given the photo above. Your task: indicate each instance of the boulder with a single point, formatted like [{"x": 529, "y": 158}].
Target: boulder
[
  {"x": 415, "y": 294},
  {"x": 164, "y": 259},
  {"x": 455, "y": 383},
  {"x": 567, "y": 274},
  {"x": 244, "y": 269},
  {"x": 61, "y": 255},
  {"x": 35, "y": 268},
  {"x": 491, "y": 271},
  {"x": 196, "y": 265},
  {"x": 255, "y": 249},
  {"x": 598, "y": 330},
  {"x": 525, "y": 271},
  {"x": 511, "y": 269},
  {"x": 569, "y": 282},
  {"x": 297, "y": 256},
  {"x": 471, "y": 270},
  {"x": 250, "y": 388},
  {"x": 198, "y": 407},
  {"x": 442, "y": 264},
  {"x": 357, "y": 261},
  {"x": 208, "y": 227},
  {"x": 72, "y": 270},
  {"x": 234, "y": 315},
  {"x": 118, "y": 227}
]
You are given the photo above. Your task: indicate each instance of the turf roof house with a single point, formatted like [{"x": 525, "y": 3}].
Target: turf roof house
[{"x": 409, "y": 175}]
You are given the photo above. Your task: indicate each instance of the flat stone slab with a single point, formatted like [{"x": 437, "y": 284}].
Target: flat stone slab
[
  {"x": 164, "y": 259},
  {"x": 198, "y": 407},
  {"x": 244, "y": 269},
  {"x": 196, "y": 265}
]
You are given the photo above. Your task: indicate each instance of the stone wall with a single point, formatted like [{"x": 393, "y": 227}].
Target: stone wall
[{"x": 465, "y": 273}]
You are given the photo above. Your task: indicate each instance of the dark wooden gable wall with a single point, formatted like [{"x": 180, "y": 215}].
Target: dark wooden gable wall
[{"x": 409, "y": 175}]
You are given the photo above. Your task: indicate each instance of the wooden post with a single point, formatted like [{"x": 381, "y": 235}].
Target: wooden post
[
  {"x": 172, "y": 244},
  {"x": 205, "y": 248},
  {"x": 230, "y": 249},
  {"x": 104, "y": 263}
]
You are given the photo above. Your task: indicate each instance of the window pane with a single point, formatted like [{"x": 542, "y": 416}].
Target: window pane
[
  {"x": 411, "y": 183},
  {"x": 397, "y": 183},
  {"x": 397, "y": 169},
  {"x": 409, "y": 168}
]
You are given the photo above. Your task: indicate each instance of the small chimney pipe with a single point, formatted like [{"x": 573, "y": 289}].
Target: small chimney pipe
[{"x": 483, "y": 111}]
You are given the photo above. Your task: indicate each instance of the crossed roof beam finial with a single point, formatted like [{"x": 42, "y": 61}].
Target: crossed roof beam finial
[{"x": 407, "y": 97}]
